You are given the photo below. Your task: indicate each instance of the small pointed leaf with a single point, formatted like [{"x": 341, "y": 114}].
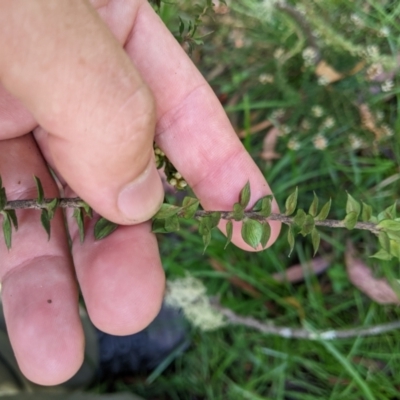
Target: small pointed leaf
[
  {"x": 229, "y": 232},
  {"x": 215, "y": 217},
  {"x": 314, "y": 206},
  {"x": 382, "y": 255},
  {"x": 238, "y": 212},
  {"x": 389, "y": 224},
  {"x": 350, "y": 220},
  {"x": 45, "y": 220},
  {"x": 166, "y": 210},
  {"x": 395, "y": 249},
  {"x": 78, "y": 215},
  {"x": 384, "y": 241},
  {"x": 204, "y": 225},
  {"x": 352, "y": 205},
  {"x": 388, "y": 213},
  {"x": 13, "y": 218},
  {"x": 88, "y": 209},
  {"x": 190, "y": 206},
  {"x": 266, "y": 234},
  {"x": 316, "y": 239},
  {"x": 158, "y": 226},
  {"x": 7, "y": 229},
  {"x": 206, "y": 240},
  {"x": 366, "y": 212},
  {"x": 252, "y": 231},
  {"x": 104, "y": 228},
  {"x": 51, "y": 207},
  {"x": 308, "y": 225},
  {"x": 172, "y": 224},
  {"x": 245, "y": 194},
  {"x": 300, "y": 218},
  {"x": 263, "y": 206},
  {"x": 39, "y": 189},
  {"x": 324, "y": 211},
  {"x": 3, "y": 198},
  {"x": 291, "y": 203},
  {"x": 290, "y": 238}
]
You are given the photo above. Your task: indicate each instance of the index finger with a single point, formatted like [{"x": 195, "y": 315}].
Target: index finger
[{"x": 192, "y": 127}]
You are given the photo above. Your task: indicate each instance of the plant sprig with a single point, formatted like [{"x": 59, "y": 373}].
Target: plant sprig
[{"x": 255, "y": 228}]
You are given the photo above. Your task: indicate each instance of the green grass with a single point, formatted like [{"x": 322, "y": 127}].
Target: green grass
[{"x": 240, "y": 363}]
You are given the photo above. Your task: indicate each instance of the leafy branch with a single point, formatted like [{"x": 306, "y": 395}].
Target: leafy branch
[{"x": 255, "y": 229}]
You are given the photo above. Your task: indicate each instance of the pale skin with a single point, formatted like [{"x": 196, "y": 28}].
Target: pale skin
[{"x": 86, "y": 87}]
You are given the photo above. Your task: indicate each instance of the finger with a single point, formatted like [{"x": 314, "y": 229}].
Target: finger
[
  {"x": 192, "y": 128},
  {"x": 62, "y": 62},
  {"x": 15, "y": 119},
  {"x": 121, "y": 277},
  {"x": 39, "y": 289}
]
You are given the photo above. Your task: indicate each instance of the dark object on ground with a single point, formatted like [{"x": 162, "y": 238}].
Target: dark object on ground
[{"x": 145, "y": 350}]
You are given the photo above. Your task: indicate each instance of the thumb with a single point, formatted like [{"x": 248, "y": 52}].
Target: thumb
[{"x": 64, "y": 64}]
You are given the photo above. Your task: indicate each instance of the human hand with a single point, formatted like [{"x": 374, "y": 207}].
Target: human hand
[{"x": 94, "y": 87}]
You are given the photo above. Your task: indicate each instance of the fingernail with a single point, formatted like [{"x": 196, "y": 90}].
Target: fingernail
[{"x": 140, "y": 200}]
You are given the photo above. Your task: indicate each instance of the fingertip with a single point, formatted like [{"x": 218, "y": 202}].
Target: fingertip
[{"x": 139, "y": 200}]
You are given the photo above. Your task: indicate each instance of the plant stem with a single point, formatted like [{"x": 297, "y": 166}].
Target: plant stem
[
  {"x": 77, "y": 202},
  {"x": 299, "y": 333},
  {"x": 74, "y": 202}
]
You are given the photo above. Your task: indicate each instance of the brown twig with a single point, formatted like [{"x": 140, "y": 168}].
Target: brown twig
[{"x": 299, "y": 333}]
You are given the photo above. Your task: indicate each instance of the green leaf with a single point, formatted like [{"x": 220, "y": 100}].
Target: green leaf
[
  {"x": 308, "y": 225},
  {"x": 300, "y": 218},
  {"x": 252, "y": 231},
  {"x": 87, "y": 208},
  {"x": 166, "y": 211},
  {"x": 206, "y": 240},
  {"x": 204, "y": 225},
  {"x": 45, "y": 220},
  {"x": 13, "y": 217},
  {"x": 388, "y": 213},
  {"x": 366, "y": 212},
  {"x": 229, "y": 232},
  {"x": 51, "y": 207},
  {"x": 3, "y": 198},
  {"x": 104, "y": 228},
  {"x": 389, "y": 224},
  {"x": 78, "y": 215},
  {"x": 39, "y": 189},
  {"x": 291, "y": 203},
  {"x": 290, "y": 238},
  {"x": 208, "y": 222},
  {"x": 314, "y": 206},
  {"x": 263, "y": 206},
  {"x": 382, "y": 255},
  {"x": 266, "y": 234},
  {"x": 245, "y": 194},
  {"x": 384, "y": 241},
  {"x": 7, "y": 229},
  {"x": 395, "y": 249},
  {"x": 393, "y": 235},
  {"x": 350, "y": 220},
  {"x": 316, "y": 239},
  {"x": 158, "y": 226},
  {"x": 172, "y": 224},
  {"x": 215, "y": 217},
  {"x": 238, "y": 212},
  {"x": 190, "y": 206},
  {"x": 324, "y": 211},
  {"x": 352, "y": 205}
]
